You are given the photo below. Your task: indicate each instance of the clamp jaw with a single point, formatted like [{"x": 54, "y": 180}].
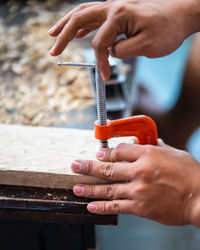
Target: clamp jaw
[{"x": 141, "y": 126}]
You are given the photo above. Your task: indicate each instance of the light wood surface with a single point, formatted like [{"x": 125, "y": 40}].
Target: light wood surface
[{"x": 41, "y": 157}]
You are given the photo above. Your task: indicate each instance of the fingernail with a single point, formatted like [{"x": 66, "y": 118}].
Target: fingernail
[
  {"x": 92, "y": 207},
  {"x": 103, "y": 76},
  {"x": 101, "y": 154},
  {"x": 76, "y": 166},
  {"x": 78, "y": 189},
  {"x": 51, "y": 52},
  {"x": 52, "y": 29}
]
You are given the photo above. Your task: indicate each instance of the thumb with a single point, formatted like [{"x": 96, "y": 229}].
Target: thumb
[{"x": 123, "y": 152}]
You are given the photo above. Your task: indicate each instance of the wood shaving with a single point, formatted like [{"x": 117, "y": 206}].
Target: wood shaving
[{"x": 33, "y": 89}]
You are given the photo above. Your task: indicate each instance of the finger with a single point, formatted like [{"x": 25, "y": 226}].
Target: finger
[
  {"x": 56, "y": 29},
  {"x": 82, "y": 32},
  {"x": 123, "y": 152},
  {"x": 109, "y": 192},
  {"x": 110, "y": 207},
  {"x": 131, "y": 47},
  {"x": 104, "y": 38},
  {"x": 106, "y": 170},
  {"x": 85, "y": 19}
]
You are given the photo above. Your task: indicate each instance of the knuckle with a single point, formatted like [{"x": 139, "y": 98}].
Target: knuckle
[
  {"x": 82, "y": 6},
  {"x": 89, "y": 166},
  {"x": 75, "y": 18},
  {"x": 117, "y": 152},
  {"x": 140, "y": 189},
  {"x": 149, "y": 166},
  {"x": 96, "y": 43},
  {"x": 113, "y": 207},
  {"x": 151, "y": 151},
  {"x": 109, "y": 191},
  {"x": 59, "y": 37},
  {"x": 145, "y": 172},
  {"x": 119, "y": 7},
  {"x": 107, "y": 170}
]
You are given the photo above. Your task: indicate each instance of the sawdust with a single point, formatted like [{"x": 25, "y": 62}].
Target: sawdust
[{"x": 33, "y": 89}]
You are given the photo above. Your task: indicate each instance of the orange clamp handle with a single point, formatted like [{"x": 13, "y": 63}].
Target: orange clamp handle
[{"x": 141, "y": 126}]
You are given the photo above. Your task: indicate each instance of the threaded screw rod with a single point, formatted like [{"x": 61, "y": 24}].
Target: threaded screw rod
[
  {"x": 100, "y": 95},
  {"x": 101, "y": 103}
]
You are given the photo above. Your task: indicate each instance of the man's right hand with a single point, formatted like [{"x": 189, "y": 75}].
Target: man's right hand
[{"x": 153, "y": 28}]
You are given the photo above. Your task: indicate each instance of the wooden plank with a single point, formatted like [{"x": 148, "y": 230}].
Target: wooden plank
[{"x": 41, "y": 156}]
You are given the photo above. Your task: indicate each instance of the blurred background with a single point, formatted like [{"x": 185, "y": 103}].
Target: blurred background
[{"x": 35, "y": 91}]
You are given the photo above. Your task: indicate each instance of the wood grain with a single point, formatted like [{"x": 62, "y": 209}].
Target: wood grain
[{"x": 41, "y": 157}]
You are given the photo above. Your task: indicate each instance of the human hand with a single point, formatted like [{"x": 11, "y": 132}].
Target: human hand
[
  {"x": 153, "y": 28},
  {"x": 156, "y": 182}
]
